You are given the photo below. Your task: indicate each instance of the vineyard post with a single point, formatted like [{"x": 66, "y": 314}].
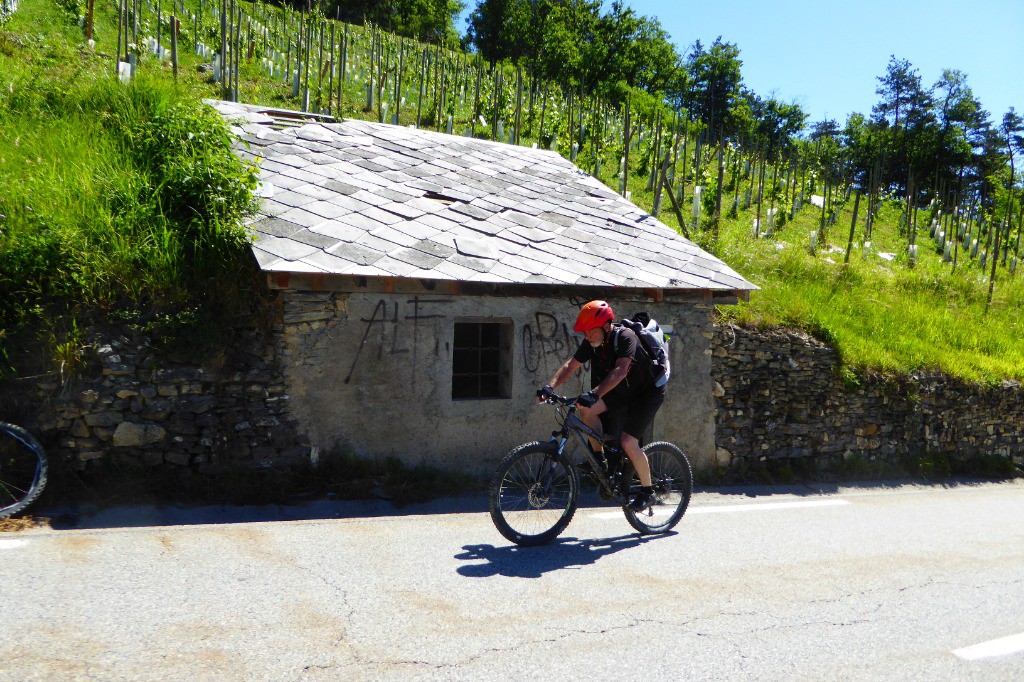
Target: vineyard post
[
  {"x": 760, "y": 193},
  {"x": 398, "y": 82},
  {"x": 120, "y": 17},
  {"x": 479, "y": 69},
  {"x": 419, "y": 98},
  {"x": 660, "y": 172},
  {"x": 794, "y": 177},
  {"x": 685, "y": 154},
  {"x": 88, "y": 20},
  {"x": 494, "y": 108},
  {"x": 663, "y": 171},
  {"x": 675, "y": 209},
  {"x": 824, "y": 208},
  {"x": 442, "y": 90},
  {"x": 519, "y": 102},
  {"x": 543, "y": 109},
  {"x": 995, "y": 259},
  {"x": 721, "y": 179},
  {"x": 803, "y": 182},
  {"x": 342, "y": 70},
  {"x": 319, "y": 65},
  {"x": 223, "y": 46},
  {"x": 652, "y": 176},
  {"x": 174, "y": 46},
  {"x": 853, "y": 226},
  {"x": 288, "y": 61},
  {"x": 625, "y": 151},
  {"x": 236, "y": 50},
  {"x": 307, "y": 50},
  {"x": 330, "y": 75}
]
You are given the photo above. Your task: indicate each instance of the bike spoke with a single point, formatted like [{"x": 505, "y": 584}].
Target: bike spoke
[{"x": 533, "y": 495}]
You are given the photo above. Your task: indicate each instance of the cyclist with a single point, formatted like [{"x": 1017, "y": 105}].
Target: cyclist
[{"x": 622, "y": 398}]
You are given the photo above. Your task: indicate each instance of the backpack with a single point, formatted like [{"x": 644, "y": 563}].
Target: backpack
[{"x": 653, "y": 341}]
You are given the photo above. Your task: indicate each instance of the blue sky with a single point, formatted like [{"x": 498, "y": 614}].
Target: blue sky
[{"x": 827, "y": 55}]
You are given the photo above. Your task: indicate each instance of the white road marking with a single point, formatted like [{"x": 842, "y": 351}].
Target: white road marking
[
  {"x": 1004, "y": 646},
  {"x": 725, "y": 508},
  {"x": 11, "y": 544},
  {"x": 761, "y": 506}
]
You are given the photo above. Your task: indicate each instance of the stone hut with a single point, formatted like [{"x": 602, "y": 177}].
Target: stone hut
[{"x": 427, "y": 285}]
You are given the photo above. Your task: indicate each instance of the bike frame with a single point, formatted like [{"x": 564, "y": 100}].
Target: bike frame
[{"x": 573, "y": 424}]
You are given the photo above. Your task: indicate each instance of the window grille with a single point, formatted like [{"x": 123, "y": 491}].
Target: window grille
[{"x": 481, "y": 360}]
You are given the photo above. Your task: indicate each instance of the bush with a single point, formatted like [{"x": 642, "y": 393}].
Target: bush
[{"x": 139, "y": 209}]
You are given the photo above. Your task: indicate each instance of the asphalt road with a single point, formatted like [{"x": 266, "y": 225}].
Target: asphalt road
[{"x": 854, "y": 583}]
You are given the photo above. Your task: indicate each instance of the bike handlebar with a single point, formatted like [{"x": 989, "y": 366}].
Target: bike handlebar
[{"x": 554, "y": 399}]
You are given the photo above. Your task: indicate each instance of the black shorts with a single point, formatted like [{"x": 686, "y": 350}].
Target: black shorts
[{"x": 632, "y": 415}]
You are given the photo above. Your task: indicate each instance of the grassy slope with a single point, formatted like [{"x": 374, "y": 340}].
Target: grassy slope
[{"x": 880, "y": 314}]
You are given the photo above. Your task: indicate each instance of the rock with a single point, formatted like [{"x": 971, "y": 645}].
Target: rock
[
  {"x": 103, "y": 418},
  {"x": 198, "y": 405},
  {"x": 129, "y": 434}
]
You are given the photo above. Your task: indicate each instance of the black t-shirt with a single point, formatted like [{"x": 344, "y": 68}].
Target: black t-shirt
[{"x": 603, "y": 358}]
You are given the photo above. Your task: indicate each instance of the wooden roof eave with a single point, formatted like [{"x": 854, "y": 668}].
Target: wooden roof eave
[{"x": 328, "y": 282}]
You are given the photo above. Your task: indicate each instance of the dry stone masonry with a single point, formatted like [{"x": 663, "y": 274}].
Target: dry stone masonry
[
  {"x": 135, "y": 406},
  {"x": 780, "y": 394}
]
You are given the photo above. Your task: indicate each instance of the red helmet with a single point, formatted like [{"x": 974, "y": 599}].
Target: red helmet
[{"x": 593, "y": 315}]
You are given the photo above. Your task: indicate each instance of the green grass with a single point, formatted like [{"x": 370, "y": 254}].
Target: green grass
[
  {"x": 881, "y": 314},
  {"x": 114, "y": 200}
]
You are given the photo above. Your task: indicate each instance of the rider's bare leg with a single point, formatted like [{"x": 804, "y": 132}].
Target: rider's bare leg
[
  {"x": 638, "y": 457},
  {"x": 591, "y": 416}
]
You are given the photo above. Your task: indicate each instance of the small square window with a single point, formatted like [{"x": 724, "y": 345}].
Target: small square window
[{"x": 482, "y": 360}]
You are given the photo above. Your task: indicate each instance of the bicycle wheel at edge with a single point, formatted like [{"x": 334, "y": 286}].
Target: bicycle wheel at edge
[
  {"x": 23, "y": 469},
  {"x": 533, "y": 494},
  {"x": 673, "y": 486}
]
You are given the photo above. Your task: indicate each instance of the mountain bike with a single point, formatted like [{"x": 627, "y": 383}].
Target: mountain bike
[
  {"x": 535, "y": 489},
  {"x": 23, "y": 469}
]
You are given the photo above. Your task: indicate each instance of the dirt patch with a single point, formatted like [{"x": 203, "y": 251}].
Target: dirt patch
[{"x": 14, "y": 525}]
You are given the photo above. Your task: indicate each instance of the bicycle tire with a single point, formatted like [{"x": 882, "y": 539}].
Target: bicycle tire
[
  {"x": 533, "y": 494},
  {"x": 673, "y": 486},
  {"x": 23, "y": 469}
]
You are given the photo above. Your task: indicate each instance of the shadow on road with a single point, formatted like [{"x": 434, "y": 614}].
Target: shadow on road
[
  {"x": 533, "y": 562},
  {"x": 152, "y": 515}
]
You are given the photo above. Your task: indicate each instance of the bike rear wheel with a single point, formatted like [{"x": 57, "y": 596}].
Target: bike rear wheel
[
  {"x": 23, "y": 469},
  {"x": 673, "y": 486},
  {"x": 533, "y": 494}
]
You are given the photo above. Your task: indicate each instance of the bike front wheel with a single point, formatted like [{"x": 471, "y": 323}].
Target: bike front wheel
[
  {"x": 673, "y": 486},
  {"x": 533, "y": 494},
  {"x": 23, "y": 469}
]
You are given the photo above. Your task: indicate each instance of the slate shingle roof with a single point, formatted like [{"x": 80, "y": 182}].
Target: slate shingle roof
[{"x": 375, "y": 200}]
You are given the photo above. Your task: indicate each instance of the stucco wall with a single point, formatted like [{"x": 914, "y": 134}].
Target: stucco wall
[{"x": 373, "y": 373}]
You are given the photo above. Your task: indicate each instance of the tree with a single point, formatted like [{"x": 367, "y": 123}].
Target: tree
[
  {"x": 905, "y": 110},
  {"x": 430, "y": 21},
  {"x": 570, "y": 53},
  {"x": 498, "y": 29},
  {"x": 715, "y": 84},
  {"x": 634, "y": 50}
]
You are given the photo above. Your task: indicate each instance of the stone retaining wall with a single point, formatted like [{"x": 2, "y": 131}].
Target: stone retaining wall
[
  {"x": 135, "y": 406},
  {"x": 780, "y": 395}
]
